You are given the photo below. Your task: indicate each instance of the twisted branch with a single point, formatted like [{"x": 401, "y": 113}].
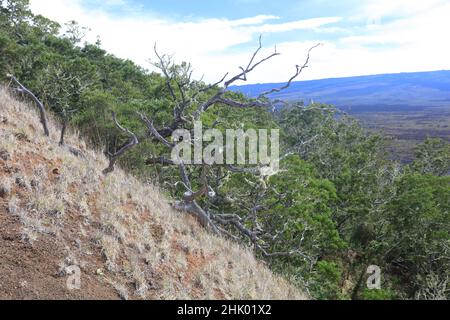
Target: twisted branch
[
  {"x": 295, "y": 76},
  {"x": 39, "y": 104},
  {"x": 114, "y": 157}
]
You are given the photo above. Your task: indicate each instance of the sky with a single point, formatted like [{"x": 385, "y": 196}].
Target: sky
[{"x": 358, "y": 37}]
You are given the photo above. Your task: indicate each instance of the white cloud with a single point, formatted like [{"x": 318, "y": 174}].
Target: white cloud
[
  {"x": 204, "y": 42},
  {"x": 253, "y": 20},
  {"x": 296, "y": 25},
  {"x": 422, "y": 28},
  {"x": 377, "y": 9},
  {"x": 414, "y": 41}
]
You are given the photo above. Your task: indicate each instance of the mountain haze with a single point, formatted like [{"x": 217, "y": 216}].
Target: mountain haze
[{"x": 375, "y": 93}]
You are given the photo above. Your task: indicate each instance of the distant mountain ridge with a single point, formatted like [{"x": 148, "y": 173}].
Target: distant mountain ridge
[{"x": 384, "y": 92}]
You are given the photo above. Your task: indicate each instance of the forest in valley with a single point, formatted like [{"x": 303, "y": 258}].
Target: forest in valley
[{"x": 338, "y": 205}]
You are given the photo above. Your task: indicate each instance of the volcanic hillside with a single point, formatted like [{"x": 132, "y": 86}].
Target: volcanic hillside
[{"x": 58, "y": 210}]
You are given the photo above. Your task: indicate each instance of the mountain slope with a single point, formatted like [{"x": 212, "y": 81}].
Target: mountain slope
[
  {"x": 57, "y": 210},
  {"x": 386, "y": 92}
]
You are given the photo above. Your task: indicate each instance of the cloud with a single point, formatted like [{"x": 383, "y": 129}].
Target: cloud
[
  {"x": 253, "y": 20},
  {"x": 406, "y": 36},
  {"x": 423, "y": 27},
  {"x": 206, "y": 43},
  {"x": 377, "y": 9},
  {"x": 297, "y": 25},
  {"x": 409, "y": 43}
]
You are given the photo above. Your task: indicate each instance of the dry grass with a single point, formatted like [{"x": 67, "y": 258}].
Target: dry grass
[{"x": 147, "y": 249}]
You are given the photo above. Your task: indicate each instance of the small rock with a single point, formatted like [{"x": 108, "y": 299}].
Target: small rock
[
  {"x": 56, "y": 171},
  {"x": 22, "y": 136},
  {"x": 185, "y": 248},
  {"x": 21, "y": 182},
  {"x": 3, "y": 119},
  {"x": 4, "y": 191},
  {"x": 4, "y": 155},
  {"x": 54, "y": 213},
  {"x": 34, "y": 183}
]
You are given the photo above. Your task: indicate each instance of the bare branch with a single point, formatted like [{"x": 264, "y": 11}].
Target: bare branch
[
  {"x": 236, "y": 104},
  {"x": 299, "y": 70},
  {"x": 152, "y": 130},
  {"x": 236, "y": 223},
  {"x": 218, "y": 98},
  {"x": 214, "y": 84},
  {"x": 192, "y": 196},
  {"x": 194, "y": 209},
  {"x": 114, "y": 157},
  {"x": 203, "y": 107},
  {"x": 251, "y": 66},
  {"x": 256, "y": 52},
  {"x": 228, "y": 234},
  {"x": 160, "y": 160},
  {"x": 190, "y": 205},
  {"x": 40, "y": 105},
  {"x": 184, "y": 176},
  {"x": 163, "y": 67},
  {"x": 240, "y": 76},
  {"x": 229, "y": 217}
]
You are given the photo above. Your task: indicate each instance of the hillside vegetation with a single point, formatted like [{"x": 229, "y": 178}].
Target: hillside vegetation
[
  {"x": 337, "y": 205},
  {"x": 58, "y": 210}
]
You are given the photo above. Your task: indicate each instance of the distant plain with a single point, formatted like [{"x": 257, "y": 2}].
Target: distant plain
[{"x": 407, "y": 107}]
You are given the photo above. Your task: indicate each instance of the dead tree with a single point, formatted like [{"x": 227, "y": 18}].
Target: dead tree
[
  {"x": 115, "y": 156},
  {"x": 189, "y": 203},
  {"x": 43, "y": 115},
  {"x": 184, "y": 99}
]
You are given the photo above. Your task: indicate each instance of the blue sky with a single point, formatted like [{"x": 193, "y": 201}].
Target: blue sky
[
  {"x": 232, "y": 9},
  {"x": 358, "y": 37}
]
